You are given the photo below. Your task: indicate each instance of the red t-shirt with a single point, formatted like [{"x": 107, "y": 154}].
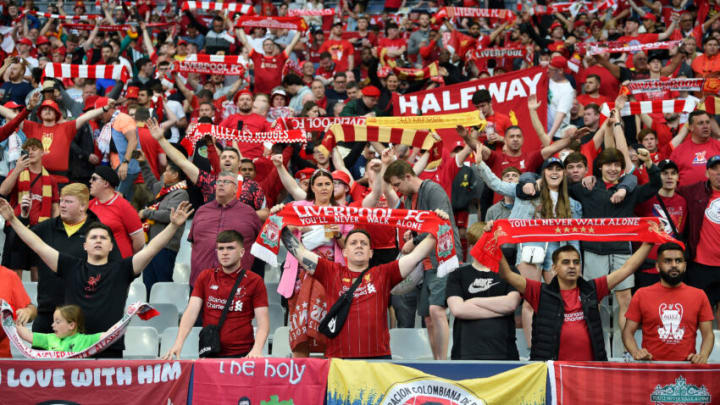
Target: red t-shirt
[
  {"x": 585, "y": 99},
  {"x": 151, "y": 148},
  {"x": 609, "y": 84},
  {"x": 365, "y": 332},
  {"x": 677, "y": 208},
  {"x": 219, "y": 108},
  {"x": 707, "y": 251},
  {"x": 13, "y": 292},
  {"x": 526, "y": 162},
  {"x": 383, "y": 237},
  {"x": 443, "y": 174},
  {"x": 36, "y": 195},
  {"x": 268, "y": 70},
  {"x": 121, "y": 217},
  {"x": 340, "y": 50},
  {"x": 251, "y": 122},
  {"x": 56, "y": 142},
  {"x": 670, "y": 319},
  {"x": 692, "y": 158},
  {"x": 213, "y": 287},
  {"x": 591, "y": 152},
  {"x": 574, "y": 336},
  {"x": 390, "y": 44},
  {"x": 502, "y": 122}
]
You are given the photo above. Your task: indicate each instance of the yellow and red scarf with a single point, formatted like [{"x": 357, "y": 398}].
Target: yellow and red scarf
[
  {"x": 24, "y": 188},
  {"x": 181, "y": 185}
]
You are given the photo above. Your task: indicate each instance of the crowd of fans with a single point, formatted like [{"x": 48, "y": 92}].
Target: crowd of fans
[{"x": 100, "y": 168}]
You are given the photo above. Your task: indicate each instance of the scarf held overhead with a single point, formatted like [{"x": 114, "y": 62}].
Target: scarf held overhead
[
  {"x": 226, "y": 65},
  {"x": 361, "y": 133},
  {"x": 68, "y": 71},
  {"x": 649, "y": 107},
  {"x": 267, "y": 244},
  {"x": 245, "y": 9},
  {"x": 230, "y": 134},
  {"x": 665, "y": 84},
  {"x": 487, "y": 249},
  {"x": 290, "y": 23},
  {"x": 142, "y": 310},
  {"x": 452, "y": 12}
]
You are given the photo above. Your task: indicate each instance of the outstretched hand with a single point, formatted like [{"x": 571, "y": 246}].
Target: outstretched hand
[
  {"x": 154, "y": 128},
  {"x": 179, "y": 215},
  {"x": 6, "y": 210}
]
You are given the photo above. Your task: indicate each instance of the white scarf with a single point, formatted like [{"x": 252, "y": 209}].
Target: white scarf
[{"x": 105, "y": 137}]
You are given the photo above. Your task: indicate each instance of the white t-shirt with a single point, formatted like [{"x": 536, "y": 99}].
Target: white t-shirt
[
  {"x": 560, "y": 98},
  {"x": 176, "y": 109}
]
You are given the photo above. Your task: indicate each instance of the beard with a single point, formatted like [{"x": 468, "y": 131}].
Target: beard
[{"x": 672, "y": 280}]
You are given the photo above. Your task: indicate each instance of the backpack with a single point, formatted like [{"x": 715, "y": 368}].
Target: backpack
[{"x": 463, "y": 188}]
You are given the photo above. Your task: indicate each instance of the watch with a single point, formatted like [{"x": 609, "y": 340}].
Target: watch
[{"x": 125, "y": 161}]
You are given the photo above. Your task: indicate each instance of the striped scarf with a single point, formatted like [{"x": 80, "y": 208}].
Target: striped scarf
[
  {"x": 155, "y": 204},
  {"x": 361, "y": 133},
  {"x": 24, "y": 188}
]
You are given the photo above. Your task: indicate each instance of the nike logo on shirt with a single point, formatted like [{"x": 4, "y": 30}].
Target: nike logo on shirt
[{"x": 480, "y": 285}]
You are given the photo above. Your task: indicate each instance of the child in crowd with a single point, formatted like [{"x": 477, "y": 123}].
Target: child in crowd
[{"x": 68, "y": 326}]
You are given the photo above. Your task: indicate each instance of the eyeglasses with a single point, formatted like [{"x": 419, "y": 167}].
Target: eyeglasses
[
  {"x": 225, "y": 182},
  {"x": 95, "y": 178}
]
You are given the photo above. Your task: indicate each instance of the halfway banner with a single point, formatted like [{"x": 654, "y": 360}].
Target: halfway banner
[
  {"x": 90, "y": 382},
  {"x": 390, "y": 384},
  {"x": 595, "y": 383},
  {"x": 509, "y": 93},
  {"x": 260, "y": 381}
]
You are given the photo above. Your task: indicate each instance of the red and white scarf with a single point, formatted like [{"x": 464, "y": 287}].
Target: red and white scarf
[
  {"x": 290, "y": 23},
  {"x": 665, "y": 84},
  {"x": 245, "y": 9},
  {"x": 68, "y": 71},
  {"x": 597, "y": 48},
  {"x": 116, "y": 27},
  {"x": 105, "y": 137},
  {"x": 315, "y": 124},
  {"x": 57, "y": 16},
  {"x": 267, "y": 244},
  {"x": 230, "y": 134},
  {"x": 227, "y": 65},
  {"x": 487, "y": 249},
  {"x": 650, "y": 107},
  {"x": 452, "y": 12},
  {"x": 142, "y": 310},
  {"x": 311, "y": 13}
]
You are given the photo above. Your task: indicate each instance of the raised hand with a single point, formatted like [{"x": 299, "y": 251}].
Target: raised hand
[
  {"x": 533, "y": 102},
  {"x": 6, "y": 210},
  {"x": 277, "y": 160},
  {"x": 154, "y": 128},
  {"x": 387, "y": 156},
  {"x": 179, "y": 215},
  {"x": 277, "y": 208}
]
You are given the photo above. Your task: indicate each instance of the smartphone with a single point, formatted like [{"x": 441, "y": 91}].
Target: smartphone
[{"x": 24, "y": 153}]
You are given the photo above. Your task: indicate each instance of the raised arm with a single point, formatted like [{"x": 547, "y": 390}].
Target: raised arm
[
  {"x": 287, "y": 179},
  {"x": 423, "y": 249},
  {"x": 533, "y": 105},
  {"x": 617, "y": 276},
  {"x": 291, "y": 45},
  {"x": 43, "y": 250},
  {"x": 492, "y": 181},
  {"x": 191, "y": 171},
  {"x": 177, "y": 219},
  {"x": 307, "y": 259},
  {"x": 92, "y": 114},
  {"x": 387, "y": 156},
  {"x": 514, "y": 279}
]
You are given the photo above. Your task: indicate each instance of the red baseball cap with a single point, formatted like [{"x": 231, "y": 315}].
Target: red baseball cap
[
  {"x": 25, "y": 41},
  {"x": 458, "y": 144},
  {"x": 558, "y": 62},
  {"x": 42, "y": 40},
  {"x": 53, "y": 105},
  {"x": 132, "y": 92},
  {"x": 90, "y": 102},
  {"x": 370, "y": 91},
  {"x": 341, "y": 176},
  {"x": 240, "y": 93},
  {"x": 304, "y": 174},
  {"x": 12, "y": 104},
  {"x": 555, "y": 25},
  {"x": 650, "y": 16}
]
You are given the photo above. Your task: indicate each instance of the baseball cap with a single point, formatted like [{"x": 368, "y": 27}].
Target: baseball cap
[
  {"x": 132, "y": 92},
  {"x": 458, "y": 144},
  {"x": 42, "y": 40},
  {"x": 101, "y": 102},
  {"x": 558, "y": 62},
  {"x": 11, "y": 104},
  {"x": 551, "y": 161},
  {"x": 25, "y": 41},
  {"x": 53, "y": 105},
  {"x": 341, "y": 176},
  {"x": 713, "y": 161},
  {"x": 370, "y": 91},
  {"x": 667, "y": 164},
  {"x": 555, "y": 25},
  {"x": 650, "y": 16},
  {"x": 304, "y": 174}
]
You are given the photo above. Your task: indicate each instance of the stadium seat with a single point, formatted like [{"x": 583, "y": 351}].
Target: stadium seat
[
  {"x": 168, "y": 318},
  {"x": 410, "y": 344},
  {"x": 523, "y": 349},
  {"x": 31, "y": 290},
  {"x": 170, "y": 293},
  {"x": 141, "y": 342},
  {"x": 181, "y": 272},
  {"x": 136, "y": 293},
  {"x": 281, "y": 342},
  {"x": 190, "y": 348},
  {"x": 273, "y": 296},
  {"x": 277, "y": 318}
]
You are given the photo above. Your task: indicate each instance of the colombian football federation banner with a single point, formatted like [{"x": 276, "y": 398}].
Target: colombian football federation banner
[
  {"x": 87, "y": 382},
  {"x": 260, "y": 381},
  {"x": 594, "y": 383},
  {"x": 371, "y": 383},
  {"x": 509, "y": 93}
]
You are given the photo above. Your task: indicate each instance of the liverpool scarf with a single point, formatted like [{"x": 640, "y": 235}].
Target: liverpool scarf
[
  {"x": 711, "y": 105},
  {"x": 487, "y": 249},
  {"x": 290, "y": 23},
  {"x": 311, "y": 13},
  {"x": 68, "y": 71},
  {"x": 430, "y": 71},
  {"x": 452, "y": 12},
  {"x": 439, "y": 121},
  {"x": 227, "y": 65},
  {"x": 229, "y": 134},
  {"x": 665, "y": 84},
  {"x": 103, "y": 140},
  {"x": 649, "y": 107},
  {"x": 597, "y": 48},
  {"x": 143, "y": 310},
  {"x": 245, "y": 9},
  {"x": 115, "y": 27},
  {"x": 24, "y": 188},
  {"x": 155, "y": 204},
  {"x": 267, "y": 244},
  {"x": 360, "y": 133},
  {"x": 56, "y": 16}
]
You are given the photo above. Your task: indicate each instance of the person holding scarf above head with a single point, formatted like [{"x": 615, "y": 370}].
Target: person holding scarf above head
[
  {"x": 323, "y": 240},
  {"x": 169, "y": 193}
]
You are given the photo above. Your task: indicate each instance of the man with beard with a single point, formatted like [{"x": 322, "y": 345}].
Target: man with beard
[
  {"x": 670, "y": 312},
  {"x": 246, "y": 120}
]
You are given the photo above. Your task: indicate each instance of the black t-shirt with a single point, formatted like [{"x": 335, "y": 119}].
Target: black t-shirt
[
  {"x": 481, "y": 339},
  {"x": 101, "y": 291}
]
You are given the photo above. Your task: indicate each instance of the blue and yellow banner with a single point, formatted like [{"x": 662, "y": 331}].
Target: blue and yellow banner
[{"x": 369, "y": 383}]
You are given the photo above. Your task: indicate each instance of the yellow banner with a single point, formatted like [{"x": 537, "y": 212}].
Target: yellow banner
[
  {"x": 440, "y": 121},
  {"x": 370, "y": 383}
]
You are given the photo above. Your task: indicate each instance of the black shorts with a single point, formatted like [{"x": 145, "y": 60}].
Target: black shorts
[{"x": 706, "y": 278}]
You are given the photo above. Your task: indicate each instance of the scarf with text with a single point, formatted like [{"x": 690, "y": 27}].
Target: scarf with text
[
  {"x": 226, "y": 65},
  {"x": 650, "y": 107},
  {"x": 68, "y": 71},
  {"x": 290, "y": 23},
  {"x": 487, "y": 249},
  {"x": 598, "y": 48},
  {"x": 24, "y": 11},
  {"x": 155, "y": 204},
  {"x": 311, "y": 13},
  {"x": 267, "y": 244},
  {"x": 665, "y": 84},
  {"x": 419, "y": 138},
  {"x": 492, "y": 53},
  {"x": 453, "y": 12},
  {"x": 115, "y": 27},
  {"x": 229, "y": 134},
  {"x": 24, "y": 188},
  {"x": 142, "y": 310},
  {"x": 245, "y": 9}
]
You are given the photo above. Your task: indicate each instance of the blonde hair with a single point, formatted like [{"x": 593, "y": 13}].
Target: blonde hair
[
  {"x": 73, "y": 313},
  {"x": 474, "y": 232},
  {"x": 78, "y": 190}
]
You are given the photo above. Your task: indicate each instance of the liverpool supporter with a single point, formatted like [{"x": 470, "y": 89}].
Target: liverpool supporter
[
  {"x": 367, "y": 105},
  {"x": 497, "y": 123},
  {"x": 268, "y": 64},
  {"x": 483, "y": 305},
  {"x": 425, "y": 195},
  {"x": 115, "y": 211},
  {"x": 560, "y": 96},
  {"x": 591, "y": 89},
  {"x": 341, "y": 50},
  {"x": 97, "y": 285},
  {"x": 13, "y": 292},
  {"x": 566, "y": 324},
  {"x": 670, "y": 314},
  {"x": 246, "y": 120},
  {"x": 211, "y": 293},
  {"x": 693, "y": 154},
  {"x": 365, "y": 331}
]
